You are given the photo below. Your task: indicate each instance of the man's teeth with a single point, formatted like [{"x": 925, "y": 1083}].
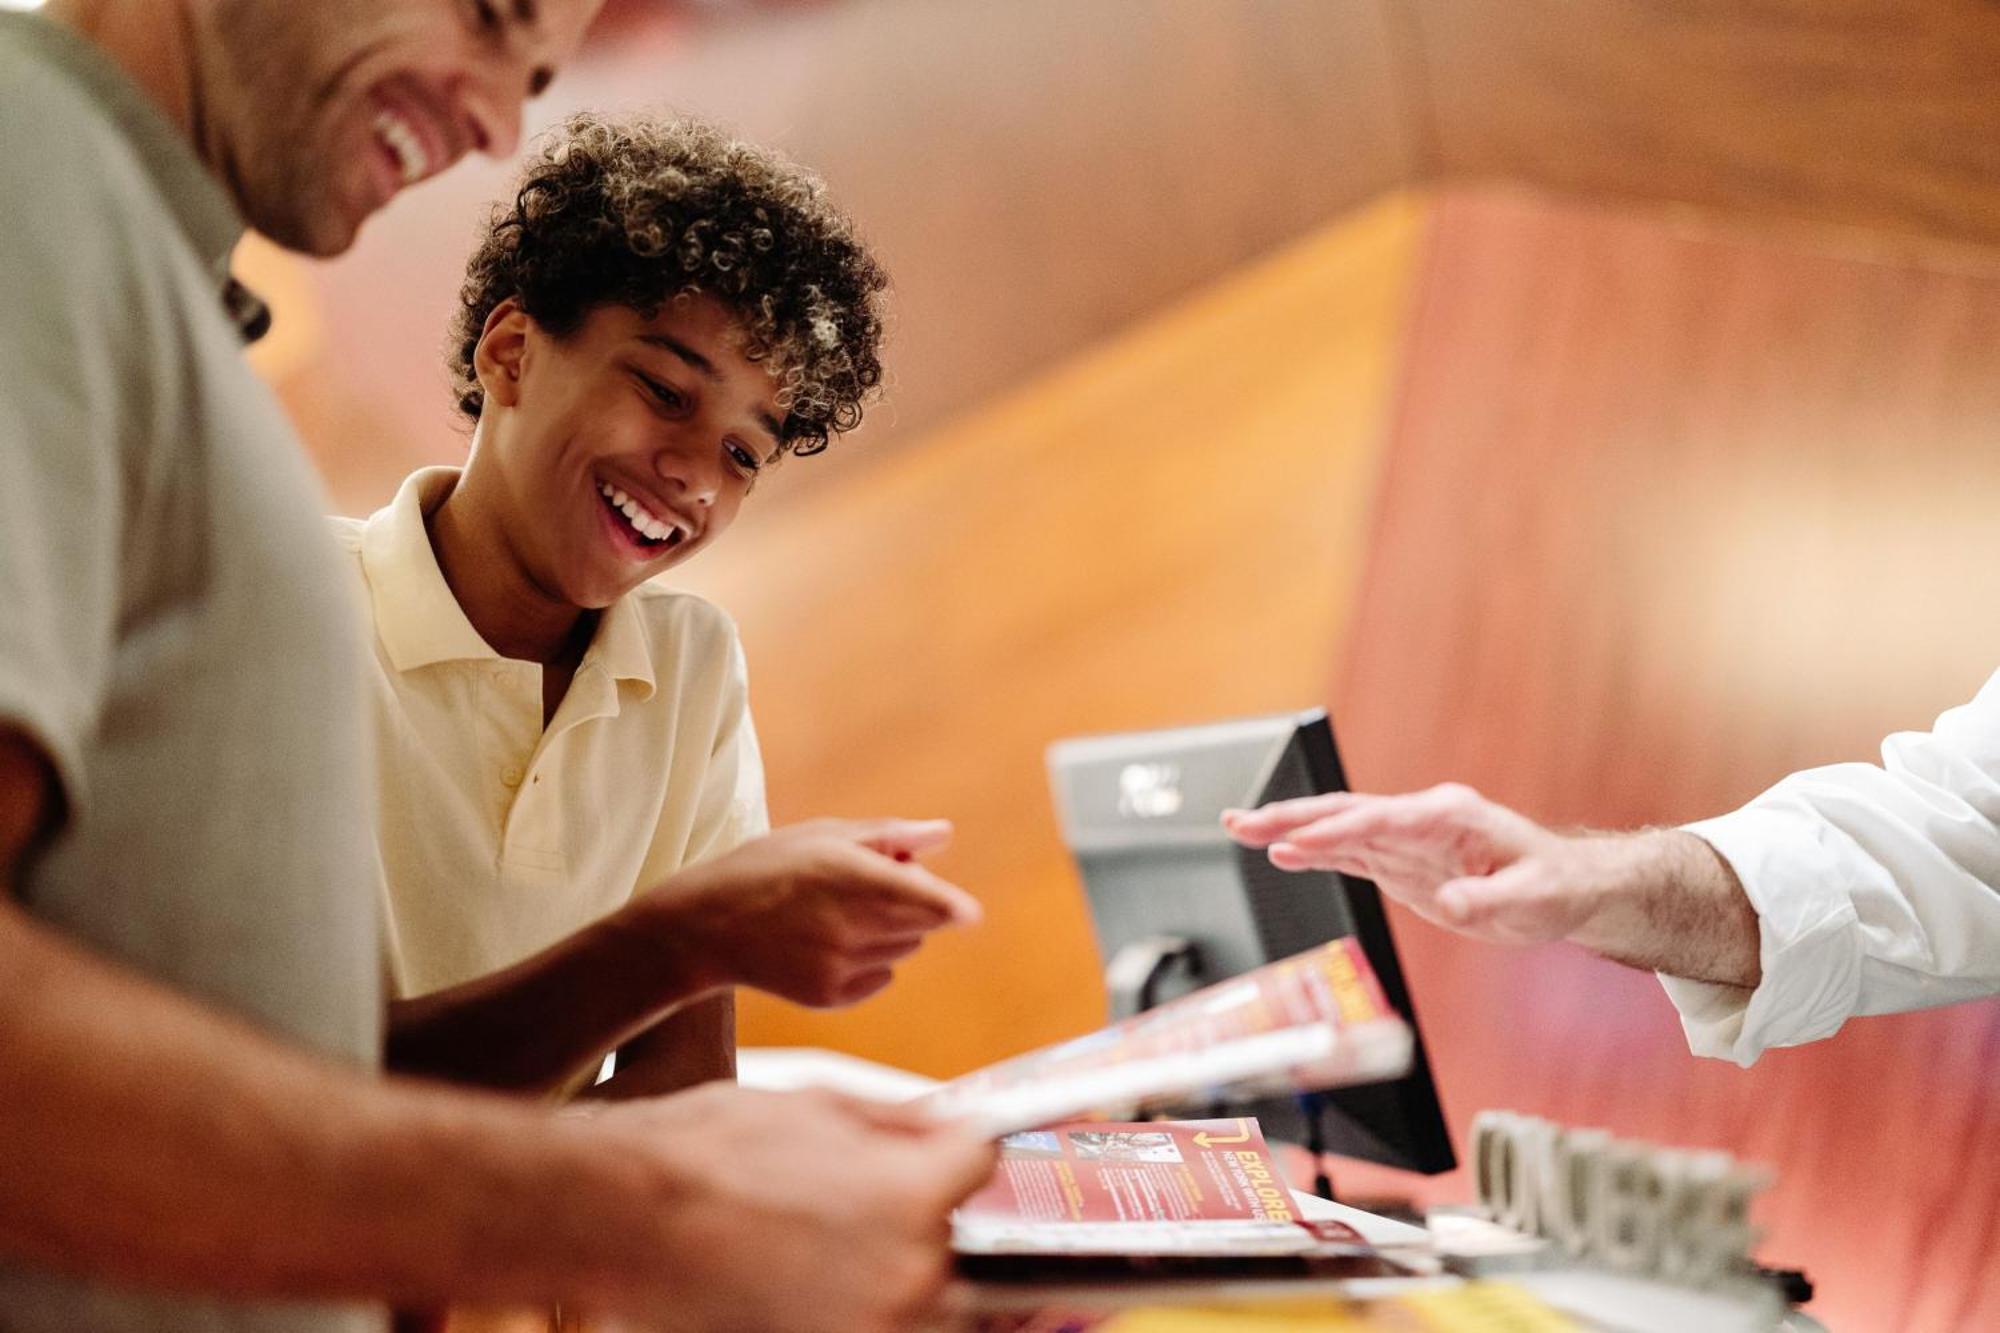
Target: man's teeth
[
  {"x": 405, "y": 143},
  {"x": 637, "y": 514}
]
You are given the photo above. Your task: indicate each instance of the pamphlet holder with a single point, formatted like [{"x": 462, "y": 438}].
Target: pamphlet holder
[{"x": 1136, "y": 972}]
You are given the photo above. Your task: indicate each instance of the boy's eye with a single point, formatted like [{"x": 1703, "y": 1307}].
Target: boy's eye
[
  {"x": 666, "y": 393},
  {"x": 744, "y": 458}
]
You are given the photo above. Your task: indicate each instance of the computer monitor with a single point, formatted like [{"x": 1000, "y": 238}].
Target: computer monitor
[{"x": 1178, "y": 905}]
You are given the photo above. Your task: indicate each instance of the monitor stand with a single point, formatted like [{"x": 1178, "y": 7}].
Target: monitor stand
[{"x": 1138, "y": 970}]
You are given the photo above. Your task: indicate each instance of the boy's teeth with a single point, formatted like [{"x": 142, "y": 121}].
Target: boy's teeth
[
  {"x": 641, "y": 520},
  {"x": 638, "y": 517}
]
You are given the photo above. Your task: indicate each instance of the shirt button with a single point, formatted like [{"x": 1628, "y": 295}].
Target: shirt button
[{"x": 511, "y": 776}]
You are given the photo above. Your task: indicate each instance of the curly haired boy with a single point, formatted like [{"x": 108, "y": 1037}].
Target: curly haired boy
[{"x": 572, "y": 827}]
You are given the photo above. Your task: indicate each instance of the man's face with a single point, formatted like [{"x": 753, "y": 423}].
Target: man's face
[
  {"x": 622, "y": 449},
  {"x": 317, "y": 114}
]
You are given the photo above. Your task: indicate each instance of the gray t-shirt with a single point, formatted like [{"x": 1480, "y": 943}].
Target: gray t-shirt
[{"x": 174, "y": 630}]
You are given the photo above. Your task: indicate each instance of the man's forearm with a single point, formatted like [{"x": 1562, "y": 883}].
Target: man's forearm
[
  {"x": 1670, "y": 903},
  {"x": 158, "y": 1143},
  {"x": 534, "y": 1026}
]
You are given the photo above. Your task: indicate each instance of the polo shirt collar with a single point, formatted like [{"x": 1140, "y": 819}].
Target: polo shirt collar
[
  {"x": 195, "y": 198},
  {"x": 620, "y": 645},
  {"x": 420, "y": 622}
]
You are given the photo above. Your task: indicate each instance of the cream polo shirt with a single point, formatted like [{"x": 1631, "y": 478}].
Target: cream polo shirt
[{"x": 497, "y": 838}]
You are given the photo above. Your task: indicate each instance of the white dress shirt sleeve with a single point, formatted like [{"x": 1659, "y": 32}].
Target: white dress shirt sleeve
[{"x": 1877, "y": 889}]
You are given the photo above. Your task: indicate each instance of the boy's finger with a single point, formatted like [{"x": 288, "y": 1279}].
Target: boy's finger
[
  {"x": 902, "y": 839},
  {"x": 914, "y": 886}
]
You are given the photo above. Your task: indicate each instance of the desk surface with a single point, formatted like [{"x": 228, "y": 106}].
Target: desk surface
[{"x": 1629, "y": 1304}]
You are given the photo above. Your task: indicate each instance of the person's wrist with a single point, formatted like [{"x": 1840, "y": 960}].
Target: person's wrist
[
  {"x": 676, "y": 932},
  {"x": 620, "y": 1192},
  {"x": 490, "y": 1200},
  {"x": 1667, "y": 901},
  {"x": 1613, "y": 877}
]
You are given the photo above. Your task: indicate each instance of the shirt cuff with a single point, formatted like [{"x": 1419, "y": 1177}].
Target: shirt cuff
[
  {"x": 1809, "y": 941},
  {"x": 42, "y": 719}
]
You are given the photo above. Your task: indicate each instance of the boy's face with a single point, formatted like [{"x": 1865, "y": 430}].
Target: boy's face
[
  {"x": 623, "y": 448},
  {"x": 317, "y": 114}
]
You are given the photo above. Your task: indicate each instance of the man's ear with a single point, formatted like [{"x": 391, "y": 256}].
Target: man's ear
[{"x": 502, "y": 347}]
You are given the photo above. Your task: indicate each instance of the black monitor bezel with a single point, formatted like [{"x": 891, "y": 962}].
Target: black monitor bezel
[{"x": 1415, "y": 1095}]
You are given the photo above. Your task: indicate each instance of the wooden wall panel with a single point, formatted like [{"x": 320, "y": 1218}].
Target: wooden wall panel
[
  {"x": 1036, "y": 175},
  {"x": 1876, "y": 113},
  {"x": 1666, "y": 513},
  {"x": 1042, "y": 172},
  {"x": 1606, "y": 422},
  {"x": 1164, "y": 531}
]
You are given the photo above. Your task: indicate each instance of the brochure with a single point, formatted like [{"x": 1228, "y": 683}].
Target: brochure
[
  {"x": 1148, "y": 1187},
  {"x": 1314, "y": 1021}
]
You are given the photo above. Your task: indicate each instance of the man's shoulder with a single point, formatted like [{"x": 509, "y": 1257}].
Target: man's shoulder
[
  {"x": 57, "y": 140},
  {"x": 33, "y": 80},
  {"x": 90, "y": 237}
]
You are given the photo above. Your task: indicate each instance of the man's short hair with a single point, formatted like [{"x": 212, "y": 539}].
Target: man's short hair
[{"x": 638, "y": 211}]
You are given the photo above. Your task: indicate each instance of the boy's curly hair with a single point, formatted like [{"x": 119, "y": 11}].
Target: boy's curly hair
[{"x": 638, "y": 211}]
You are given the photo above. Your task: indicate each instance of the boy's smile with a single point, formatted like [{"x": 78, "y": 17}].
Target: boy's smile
[{"x": 637, "y": 524}]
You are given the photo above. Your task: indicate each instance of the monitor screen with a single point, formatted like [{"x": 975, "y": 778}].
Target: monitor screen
[{"x": 1177, "y": 904}]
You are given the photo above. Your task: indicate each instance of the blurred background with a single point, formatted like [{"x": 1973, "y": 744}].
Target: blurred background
[{"x": 1591, "y": 400}]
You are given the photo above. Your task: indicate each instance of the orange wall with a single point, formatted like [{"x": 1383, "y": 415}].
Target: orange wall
[
  {"x": 1616, "y": 514},
  {"x": 1167, "y": 529},
  {"x": 1035, "y": 175},
  {"x": 1669, "y": 510}
]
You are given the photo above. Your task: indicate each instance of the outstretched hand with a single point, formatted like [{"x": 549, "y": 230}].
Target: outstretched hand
[
  {"x": 819, "y": 912},
  {"x": 1448, "y": 854},
  {"x": 1661, "y": 899}
]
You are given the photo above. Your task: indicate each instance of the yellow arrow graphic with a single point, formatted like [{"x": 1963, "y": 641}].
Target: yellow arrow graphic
[{"x": 1205, "y": 1139}]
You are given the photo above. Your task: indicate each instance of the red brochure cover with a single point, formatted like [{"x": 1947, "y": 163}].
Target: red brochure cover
[{"x": 1146, "y": 1171}]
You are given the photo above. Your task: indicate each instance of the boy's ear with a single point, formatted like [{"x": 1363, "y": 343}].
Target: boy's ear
[{"x": 503, "y": 345}]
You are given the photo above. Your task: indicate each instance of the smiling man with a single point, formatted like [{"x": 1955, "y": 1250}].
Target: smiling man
[
  {"x": 196, "y": 1135},
  {"x": 315, "y": 116},
  {"x": 355, "y": 102},
  {"x": 657, "y": 315}
]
